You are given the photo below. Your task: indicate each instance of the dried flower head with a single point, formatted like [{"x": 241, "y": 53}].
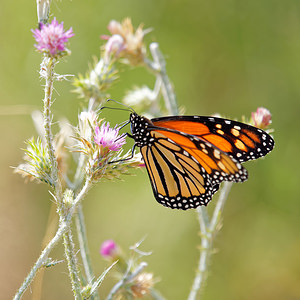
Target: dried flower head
[
  {"x": 51, "y": 38},
  {"x": 125, "y": 42},
  {"x": 142, "y": 284},
  {"x": 261, "y": 118}
]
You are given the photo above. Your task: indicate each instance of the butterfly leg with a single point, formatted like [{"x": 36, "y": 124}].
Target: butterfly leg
[{"x": 125, "y": 159}]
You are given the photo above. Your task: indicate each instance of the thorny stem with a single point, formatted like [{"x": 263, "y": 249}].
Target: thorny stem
[
  {"x": 62, "y": 229},
  {"x": 48, "y": 65},
  {"x": 208, "y": 232},
  {"x": 83, "y": 244},
  {"x": 50, "y": 232},
  {"x": 158, "y": 67},
  {"x": 72, "y": 264},
  {"x": 41, "y": 260},
  {"x": 81, "y": 229}
]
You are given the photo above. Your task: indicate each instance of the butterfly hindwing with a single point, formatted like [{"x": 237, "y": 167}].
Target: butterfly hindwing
[{"x": 177, "y": 180}]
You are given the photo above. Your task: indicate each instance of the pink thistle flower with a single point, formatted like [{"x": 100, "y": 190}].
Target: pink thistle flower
[
  {"x": 109, "y": 137},
  {"x": 261, "y": 118},
  {"x": 109, "y": 249},
  {"x": 51, "y": 38}
]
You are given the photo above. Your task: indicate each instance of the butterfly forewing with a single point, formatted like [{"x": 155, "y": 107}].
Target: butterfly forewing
[{"x": 239, "y": 140}]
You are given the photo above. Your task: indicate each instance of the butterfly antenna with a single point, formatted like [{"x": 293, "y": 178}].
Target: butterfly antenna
[{"x": 128, "y": 108}]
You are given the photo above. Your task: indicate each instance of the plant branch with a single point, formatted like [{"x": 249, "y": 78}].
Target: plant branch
[
  {"x": 47, "y": 69},
  {"x": 62, "y": 229},
  {"x": 84, "y": 249},
  {"x": 208, "y": 231},
  {"x": 158, "y": 67},
  {"x": 72, "y": 264}
]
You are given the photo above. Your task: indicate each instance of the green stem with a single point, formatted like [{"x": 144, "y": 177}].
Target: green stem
[
  {"x": 48, "y": 66},
  {"x": 72, "y": 264},
  {"x": 81, "y": 229},
  {"x": 62, "y": 229},
  {"x": 41, "y": 260},
  {"x": 84, "y": 249},
  {"x": 158, "y": 67},
  {"x": 208, "y": 229}
]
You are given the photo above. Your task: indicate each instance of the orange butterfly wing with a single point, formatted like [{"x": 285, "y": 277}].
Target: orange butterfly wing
[
  {"x": 241, "y": 141},
  {"x": 187, "y": 157}
]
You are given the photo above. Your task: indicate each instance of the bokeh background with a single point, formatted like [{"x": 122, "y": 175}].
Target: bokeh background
[{"x": 223, "y": 56}]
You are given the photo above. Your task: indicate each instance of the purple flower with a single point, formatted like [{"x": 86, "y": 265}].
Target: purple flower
[
  {"x": 51, "y": 38},
  {"x": 261, "y": 118},
  {"x": 109, "y": 137},
  {"x": 109, "y": 249}
]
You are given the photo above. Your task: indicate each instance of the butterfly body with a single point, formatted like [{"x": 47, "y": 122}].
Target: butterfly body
[{"x": 187, "y": 157}]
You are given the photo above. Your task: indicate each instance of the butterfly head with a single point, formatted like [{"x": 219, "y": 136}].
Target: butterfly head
[{"x": 139, "y": 129}]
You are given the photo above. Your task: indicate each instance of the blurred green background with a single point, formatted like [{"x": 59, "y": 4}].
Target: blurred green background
[{"x": 223, "y": 56}]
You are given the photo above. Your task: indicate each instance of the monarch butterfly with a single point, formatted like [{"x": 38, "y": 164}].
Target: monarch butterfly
[{"x": 187, "y": 157}]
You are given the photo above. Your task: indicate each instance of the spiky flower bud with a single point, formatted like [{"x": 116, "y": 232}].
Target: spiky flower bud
[
  {"x": 37, "y": 162},
  {"x": 97, "y": 81},
  {"x": 68, "y": 199}
]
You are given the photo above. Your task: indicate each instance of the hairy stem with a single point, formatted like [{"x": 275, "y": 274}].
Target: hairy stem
[
  {"x": 49, "y": 234},
  {"x": 84, "y": 250},
  {"x": 41, "y": 260},
  {"x": 81, "y": 229},
  {"x": 208, "y": 229},
  {"x": 72, "y": 264},
  {"x": 47, "y": 69},
  {"x": 158, "y": 67},
  {"x": 62, "y": 229}
]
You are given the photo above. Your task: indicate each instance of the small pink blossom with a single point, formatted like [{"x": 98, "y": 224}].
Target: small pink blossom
[
  {"x": 115, "y": 44},
  {"x": 51, "y": 38},
  {"x": 109, "y": 249},
  {"x": 109, "y": 137},
  {"x": 261, "y": 118}
]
